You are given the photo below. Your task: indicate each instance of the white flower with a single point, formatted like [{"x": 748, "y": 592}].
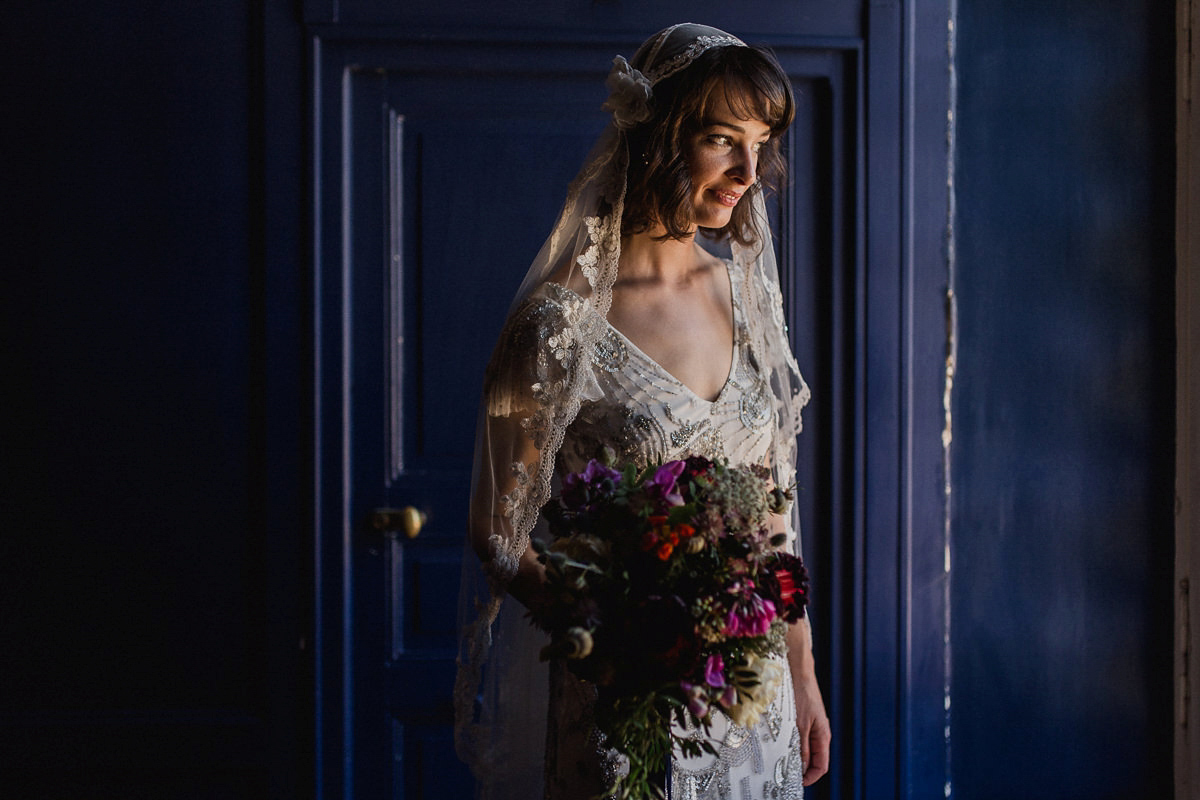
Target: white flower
[
  {"x": 601, "y": 232},
  {"x": 577, "y": 643},
  {"x": 628, "y": 94},
  {"x": 756, "y": 684}
]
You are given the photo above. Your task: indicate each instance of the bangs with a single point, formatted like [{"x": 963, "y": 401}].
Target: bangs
[{"x": 753, "y": 87}]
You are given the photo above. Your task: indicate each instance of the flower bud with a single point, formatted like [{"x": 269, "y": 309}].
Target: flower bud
[
  {"x": 608, "y": 456},
  {"x": 778, "y": 500},
  {"x": 579, "y": 643}
]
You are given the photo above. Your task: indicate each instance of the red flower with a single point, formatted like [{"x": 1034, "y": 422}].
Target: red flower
[
  {"x": 787, "y": 587},
  {"x": 790, "y": 586}
]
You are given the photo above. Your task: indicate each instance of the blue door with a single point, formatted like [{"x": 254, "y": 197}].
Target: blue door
[{"x": 442, "y": 155}]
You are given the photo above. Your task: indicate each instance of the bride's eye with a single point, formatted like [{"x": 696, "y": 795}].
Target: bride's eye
[{"x": 719, "y": 139}]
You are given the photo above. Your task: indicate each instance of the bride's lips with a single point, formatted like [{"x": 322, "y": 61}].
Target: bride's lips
[{"x": 727, "y": 198}]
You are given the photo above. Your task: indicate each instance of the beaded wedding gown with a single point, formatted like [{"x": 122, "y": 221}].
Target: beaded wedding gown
[{"x": 646, "y": 415}]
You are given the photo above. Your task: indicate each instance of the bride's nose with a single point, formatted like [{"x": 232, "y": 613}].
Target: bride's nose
[{"x": 745, "y": 166}]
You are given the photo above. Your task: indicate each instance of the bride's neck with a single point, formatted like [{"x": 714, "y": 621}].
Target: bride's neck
[{"x": 645, "y": 258}]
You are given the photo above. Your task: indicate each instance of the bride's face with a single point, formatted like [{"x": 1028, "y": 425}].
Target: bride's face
[{"x": 723, "y": 161}]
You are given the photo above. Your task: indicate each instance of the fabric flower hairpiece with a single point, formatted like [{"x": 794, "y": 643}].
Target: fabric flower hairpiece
[{"x": 629, "y": 94}]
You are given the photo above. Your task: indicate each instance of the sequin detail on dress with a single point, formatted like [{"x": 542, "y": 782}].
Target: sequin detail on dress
[{"x": 610, "y": 353}]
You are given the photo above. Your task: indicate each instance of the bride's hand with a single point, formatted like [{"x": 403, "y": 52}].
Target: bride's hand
[
  {"x": 814, "y": 729},
  {"x": 811, "y": 720}
]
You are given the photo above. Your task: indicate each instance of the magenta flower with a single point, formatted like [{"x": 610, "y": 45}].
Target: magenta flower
[
  {"x": 714, "y": 671},
  {"x": 750, "y": 616},
  {"x": 663, "y": 485}
]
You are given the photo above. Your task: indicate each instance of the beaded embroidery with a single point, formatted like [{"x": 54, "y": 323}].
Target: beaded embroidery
[
  {"x": 610, "y": 353},
  {"x": 687, "y": 56}
]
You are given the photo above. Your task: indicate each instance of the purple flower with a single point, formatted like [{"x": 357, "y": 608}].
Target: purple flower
[
  {"x": 663, "y": 485},
  {"x": 581, "y": 489},
  {"x": 595, "y": 473},
  {"x": 697, "y": 699},
  {"x": 714, "y": 671}
]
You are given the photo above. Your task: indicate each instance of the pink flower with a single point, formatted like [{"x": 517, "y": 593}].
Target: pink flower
[
  {"x": 714, "y": 671},
  {"x": 750, "y": 616}
]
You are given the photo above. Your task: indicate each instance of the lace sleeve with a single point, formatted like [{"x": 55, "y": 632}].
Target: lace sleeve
[
  {"x": 535, "y": 382},
  {"x": 539, "y": 374}
]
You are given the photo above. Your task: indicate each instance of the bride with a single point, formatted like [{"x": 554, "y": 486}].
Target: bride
[{"x": 627, "y": 333}]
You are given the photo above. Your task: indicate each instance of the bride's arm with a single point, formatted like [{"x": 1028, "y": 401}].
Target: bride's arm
[
  {"x": 490, "y": 529},
  {"x": 811, "y": 719}
]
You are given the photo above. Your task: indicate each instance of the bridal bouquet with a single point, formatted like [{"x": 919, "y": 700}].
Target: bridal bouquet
[{"x": 666, "y": 588}]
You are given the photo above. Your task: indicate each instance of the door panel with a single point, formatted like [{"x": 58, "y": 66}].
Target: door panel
[{"x": 452, "y": 183}]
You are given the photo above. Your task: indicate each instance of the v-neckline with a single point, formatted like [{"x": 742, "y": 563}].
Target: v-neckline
[{"x": 733, "y": 349}]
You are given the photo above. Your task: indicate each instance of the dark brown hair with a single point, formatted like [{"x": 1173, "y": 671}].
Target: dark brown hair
[{"x": 659, "y": 185}]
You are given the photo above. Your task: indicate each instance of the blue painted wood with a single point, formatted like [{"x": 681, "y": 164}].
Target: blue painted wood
[
  {"x": 926, "y": 673},
  {"x": 878, "y": 407},
  {"x": 578, "y": 19},
  {"x": 1063, "y": 435}
]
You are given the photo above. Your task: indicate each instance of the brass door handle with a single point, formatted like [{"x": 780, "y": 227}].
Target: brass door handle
[{"x": 407, "y": 519}]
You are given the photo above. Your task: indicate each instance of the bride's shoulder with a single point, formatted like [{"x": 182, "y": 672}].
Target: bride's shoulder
[
  {"x": 570, "y": 277},
  {"x": 549, "y": 307}
]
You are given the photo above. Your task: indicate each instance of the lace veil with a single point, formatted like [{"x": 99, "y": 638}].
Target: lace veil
[{"x": 540, "y": 373}]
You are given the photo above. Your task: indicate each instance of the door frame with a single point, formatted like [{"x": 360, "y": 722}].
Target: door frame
[{"x": 885, "y": 641}]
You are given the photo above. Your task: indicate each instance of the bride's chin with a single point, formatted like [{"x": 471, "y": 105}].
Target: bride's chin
[{"x": 714, "y": 219}]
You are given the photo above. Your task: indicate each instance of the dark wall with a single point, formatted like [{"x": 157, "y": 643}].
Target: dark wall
[
  {"x": 1063, "y": 432},
  {"x": 151, "y": 645}
]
